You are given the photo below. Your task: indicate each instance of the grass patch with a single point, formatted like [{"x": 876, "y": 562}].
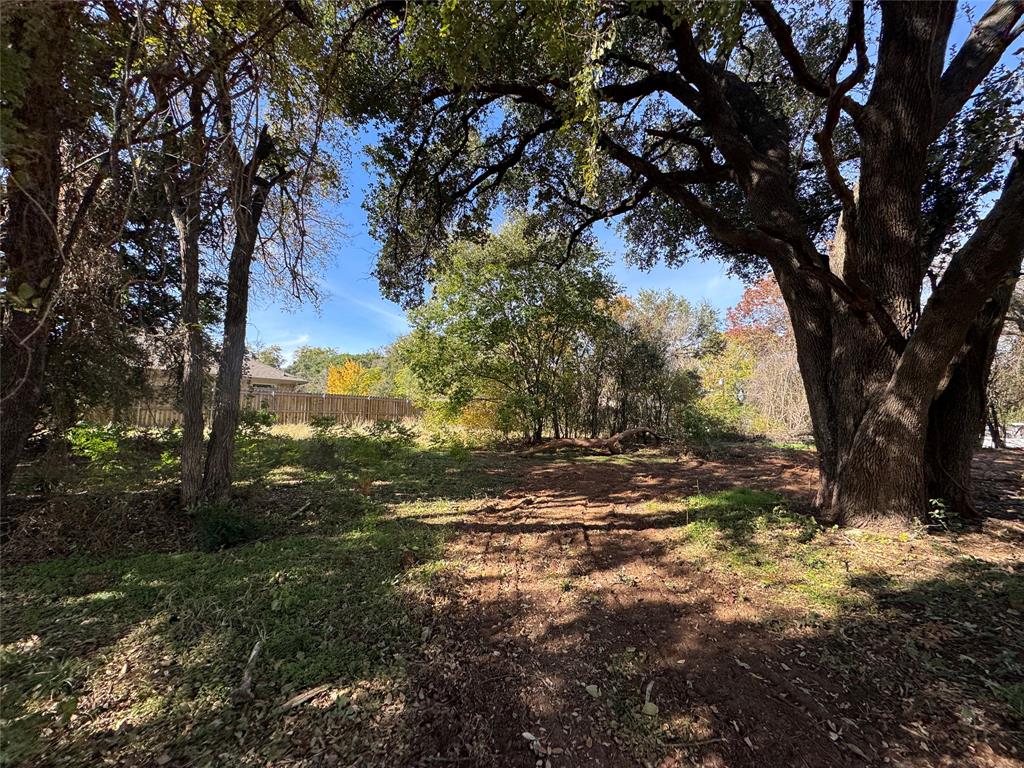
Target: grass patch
[
  {"x": 755, "y": 535},
  {"x": 328, "y": 609},
  {"x": 322, "y": 555},
  {"x": 222, "y": 524}
]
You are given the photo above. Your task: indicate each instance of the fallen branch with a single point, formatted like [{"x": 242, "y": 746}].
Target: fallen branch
[
  {"x": 301, "y": 698},
  {"x": 243, "y": 692},
  {"x": 611, "y": 444},
  {"x": 496, "y": 506},
  {"x": 689, "y": 744}
]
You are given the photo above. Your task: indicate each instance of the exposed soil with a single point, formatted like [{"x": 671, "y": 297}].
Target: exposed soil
[
  {"x": 571, "y": 582},
  {"x": 572, "y": 623}
]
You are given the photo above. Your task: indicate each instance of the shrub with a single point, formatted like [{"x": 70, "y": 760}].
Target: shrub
[
  {"x": 390, "y": 437},
  {"x": 220, "y": 524},
  {"x": 98, "y": 444},
  {"x": 393, "y": 431},
  {"x": 322, "y": 426},
  {"x": 255, "y": 422},
  {"x": 322, "y": 452}
]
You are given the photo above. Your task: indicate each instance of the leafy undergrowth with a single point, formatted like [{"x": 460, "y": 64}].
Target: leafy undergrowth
[
  {"x": 130, "y": 655},
  {"x": 336, "y": 559},
  {"x": 116, "y": 492}
]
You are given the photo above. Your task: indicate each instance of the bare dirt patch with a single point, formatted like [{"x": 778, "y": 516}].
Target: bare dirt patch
[{"x": 586, "y": 628}]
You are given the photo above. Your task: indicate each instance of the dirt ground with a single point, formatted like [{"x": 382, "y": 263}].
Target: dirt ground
[
  {"x": 573, "y": 581},
  {"x": 651, "y": 609}
]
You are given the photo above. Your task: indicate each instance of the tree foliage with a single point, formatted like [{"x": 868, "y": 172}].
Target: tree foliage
[
  {"x": 351, "y": 378},
  {"x": 734, "y": 130},
  {"x": 515, "y": 338}
]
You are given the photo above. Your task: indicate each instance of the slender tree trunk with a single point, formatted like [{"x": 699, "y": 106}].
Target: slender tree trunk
[
  {"x": 31, "y": 240},
  {"x": 248, "y": 197},
  {"x": 192, "y": 381},
  {"x": 227, "y": 400},
  {"x": 994, "y": 427},
  {"x": 185, "y": 167},
  {"x": 187, "y": 224}
]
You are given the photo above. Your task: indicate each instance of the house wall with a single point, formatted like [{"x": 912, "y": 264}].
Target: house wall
[{"x": 277, "y": 384}]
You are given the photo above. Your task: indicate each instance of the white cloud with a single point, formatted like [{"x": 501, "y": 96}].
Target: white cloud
[{"x": 396, "y": 320}]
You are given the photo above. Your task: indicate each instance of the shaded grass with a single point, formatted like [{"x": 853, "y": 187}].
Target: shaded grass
[
  {"x": 756, "y": 536},
  {"x": 114, "y": 652},
  {"x": 327, "y": 608}
]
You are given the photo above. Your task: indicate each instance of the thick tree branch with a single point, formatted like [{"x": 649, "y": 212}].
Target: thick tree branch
[
  {"x": 783, "y": 36},
  {"x": 980, "y": 52},
  {"x": 974, "y": 273},
  {"x": 723, "y": 229}
]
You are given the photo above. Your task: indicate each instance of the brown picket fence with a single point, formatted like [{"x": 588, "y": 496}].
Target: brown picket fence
[{"x": 287, "y": 407}]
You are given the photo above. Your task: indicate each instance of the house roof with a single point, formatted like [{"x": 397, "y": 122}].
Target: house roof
[
  {"x": 254, "y": 369},
  {"x": 257, "y": 369}
]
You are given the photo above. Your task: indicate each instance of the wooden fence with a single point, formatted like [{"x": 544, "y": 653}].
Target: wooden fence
[{"x": 287, "y": 407}]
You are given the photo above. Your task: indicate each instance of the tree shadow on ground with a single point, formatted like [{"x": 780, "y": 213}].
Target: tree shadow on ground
[
  {"x": 127, "y": 502},
  {"x": 133, "y": 659},
  {"x": 557, "y": 620},
  {"x": 927, "y": 672}
]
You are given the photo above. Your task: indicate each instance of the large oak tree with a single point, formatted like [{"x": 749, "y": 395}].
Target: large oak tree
[{"x": 838, "y": 147}]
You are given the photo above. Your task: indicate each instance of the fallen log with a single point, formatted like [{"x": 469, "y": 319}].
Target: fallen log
[{"x": 611, "y": 444}]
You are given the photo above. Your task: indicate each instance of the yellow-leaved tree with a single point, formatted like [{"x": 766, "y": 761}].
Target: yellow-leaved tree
[{"x": 351, "y": 379}]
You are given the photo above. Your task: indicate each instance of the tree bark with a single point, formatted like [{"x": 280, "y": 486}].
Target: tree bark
[
  {"x": 31, "y": 239},
  {"x": 186, "y": 221},
  {"x": 249, "y": 195},
  {"x": 883, "y": 473},
  {"x": 184, "y": 171},
  {"x": 810, "y": 307},
  {"x": 956, "y": 421}
]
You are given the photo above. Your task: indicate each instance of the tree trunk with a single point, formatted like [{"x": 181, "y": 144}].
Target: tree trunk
[
  {"x": 185, "y": 167},
  {"x": 186, "y": 221},
  {"x": 248, "y": 197},
  {"x": 882, "y": 475},
  {"x": 31, "y": 241},
  {"x": 227, "y": 400},
  {"x": 995, "y": 429},
  {"x": 956, "y": 421},
  {"x": 810, "y": 307}
]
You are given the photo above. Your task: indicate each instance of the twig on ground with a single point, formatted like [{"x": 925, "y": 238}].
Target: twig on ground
[{"x": 243, "y": 692}]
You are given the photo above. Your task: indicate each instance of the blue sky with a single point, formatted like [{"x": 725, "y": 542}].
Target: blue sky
[{"x": 354, "y": 317}]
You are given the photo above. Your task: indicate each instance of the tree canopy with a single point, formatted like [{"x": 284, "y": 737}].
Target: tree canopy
[{"x": 817, "y": 144}]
